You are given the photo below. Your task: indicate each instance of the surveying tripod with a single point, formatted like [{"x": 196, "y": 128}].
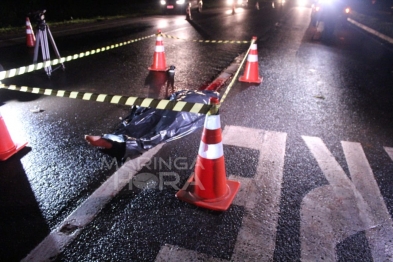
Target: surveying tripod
[{"x": 43, "y": 32}]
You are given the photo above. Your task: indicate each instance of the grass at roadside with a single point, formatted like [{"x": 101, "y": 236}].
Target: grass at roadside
[
  {"x": 13, "y": 29},
  {"x": 18, "y": 29}
]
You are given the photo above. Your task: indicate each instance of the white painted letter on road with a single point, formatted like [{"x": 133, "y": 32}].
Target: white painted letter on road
[{"x": 331, "y": 213}]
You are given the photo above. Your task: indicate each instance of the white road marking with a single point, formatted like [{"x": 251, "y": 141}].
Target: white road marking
[
  {"x": 170, "y": 253},
  {"x": 259, "y": 195},
  {"x": 371, "y": 31},
  {"x": 331, "y": 213},
  {"x": 380, "y": 236},
  {"x": 58, "y": 239},
  {"x": 257, "y": 236},
  {"x": 389, "y": 150}
]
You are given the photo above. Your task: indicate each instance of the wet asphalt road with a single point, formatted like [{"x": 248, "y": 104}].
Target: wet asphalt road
[{"x": 337, "y": 92}]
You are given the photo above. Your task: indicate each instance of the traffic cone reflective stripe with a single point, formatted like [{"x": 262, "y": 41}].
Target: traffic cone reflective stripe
[
  {"x": 208, "y": 187},
  {"x": 210, "y": 151},
  {"x": 210, "y": 160},
  {"x": 159, "y": 62},
  {"x": 30, "y": 38},
  {"x": 251, "y": 71},
  {"x": 159, "y": 46},
  {"x": 252, "y": 56},
  {"x": 7, "y": 146}
]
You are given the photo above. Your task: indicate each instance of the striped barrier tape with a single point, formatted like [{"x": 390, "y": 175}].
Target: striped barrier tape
[
  {"x": 33, "y": 67},
  {"x": 234, "y": 78},
  {"x": 182, "y": 106},
  {"x": 208, "y": 41},
  {"x": 117, "y": 99},
  {"x": 179, "y": 106}
]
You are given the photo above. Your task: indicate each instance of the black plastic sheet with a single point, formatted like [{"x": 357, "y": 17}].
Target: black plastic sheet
[{"x": 145, "y": 128}]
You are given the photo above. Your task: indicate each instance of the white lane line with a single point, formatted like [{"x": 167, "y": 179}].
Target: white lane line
[
  {"x": 331, "y": 213},
  {"x": 259, "y": 195},
  {"x": 389, "y": 150},
  {"x": 380, "y": 237},
  {"x": 59, "y": 238},
  {"x": 371, "y": 31}
]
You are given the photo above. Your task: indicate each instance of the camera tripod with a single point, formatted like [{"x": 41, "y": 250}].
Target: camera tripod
[{"x": 43, "y": 32}]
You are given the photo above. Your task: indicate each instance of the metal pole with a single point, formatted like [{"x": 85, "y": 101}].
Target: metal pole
[
  {"x": 45, "y": 52},
  {"x": 54, "y": 45},
  {"x": 39, "y": 35}
]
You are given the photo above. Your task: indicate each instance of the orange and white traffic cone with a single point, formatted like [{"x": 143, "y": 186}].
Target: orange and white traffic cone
[
  {"x": 251, "y": 72},
  {"x": 7, "y": 146},
  {"x": 208, "y": 187},
  {"x": 30, "y": 38},
  {"x": 159, "y": 62}
]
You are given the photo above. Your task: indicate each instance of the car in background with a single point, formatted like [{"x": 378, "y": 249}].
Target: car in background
[
  {"x": 278, "y": 3},
  {"x": 304, "y": 3},
  {"x": 315, "y": 14},
  {"x": 238, "y": 3},
  {"x": 329, "y": 10},
  {"x": 180, "y": 6},
  {"x": 333, "y": 14}
]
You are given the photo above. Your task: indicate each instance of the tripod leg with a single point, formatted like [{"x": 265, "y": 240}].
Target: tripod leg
[
  {"x": 54, "y": 46},
  {"x": 45, "y": 53},
  {"x": 37, "y": 44}
]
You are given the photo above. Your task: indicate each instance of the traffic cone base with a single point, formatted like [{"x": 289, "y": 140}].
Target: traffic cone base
[
  {"x": 222, "y": 203},
  {"x": 7, "y": 147},
  {"x": 257, "y": 80},
  {"x": 161, "y": 69},
  {"x": 17, "y": 147}
]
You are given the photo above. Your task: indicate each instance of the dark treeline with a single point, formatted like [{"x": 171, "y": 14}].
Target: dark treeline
[{"x": 14, "y": 12}]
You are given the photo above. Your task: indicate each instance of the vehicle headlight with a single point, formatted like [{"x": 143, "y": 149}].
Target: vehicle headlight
[
  {"x": 180, "y": 2},
  {"x": 163, "y": 2}
]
